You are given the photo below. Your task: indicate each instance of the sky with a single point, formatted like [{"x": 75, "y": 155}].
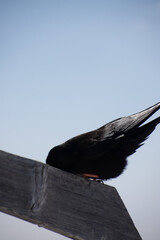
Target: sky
[{"x": 68, "y": 67}]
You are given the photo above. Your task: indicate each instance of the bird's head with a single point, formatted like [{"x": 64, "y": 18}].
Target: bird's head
[{"x": 58, "y": 157}]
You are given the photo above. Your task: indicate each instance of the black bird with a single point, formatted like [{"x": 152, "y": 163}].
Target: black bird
[{"x": 101, "y": 154}]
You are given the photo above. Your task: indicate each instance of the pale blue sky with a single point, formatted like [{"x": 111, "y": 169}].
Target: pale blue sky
[{"x": 67, "y": 67}]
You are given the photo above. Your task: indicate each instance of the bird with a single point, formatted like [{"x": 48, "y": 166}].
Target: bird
[{"x": 102, "y": 154}]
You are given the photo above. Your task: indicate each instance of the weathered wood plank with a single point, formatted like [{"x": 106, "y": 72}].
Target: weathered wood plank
[{"x": 62, "y": 202}]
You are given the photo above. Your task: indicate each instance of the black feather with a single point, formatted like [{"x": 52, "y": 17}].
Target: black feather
[{"x": 103, "y": 152}]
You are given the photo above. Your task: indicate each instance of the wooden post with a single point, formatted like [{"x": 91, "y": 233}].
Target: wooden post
[{"x": 62, "y": 202}]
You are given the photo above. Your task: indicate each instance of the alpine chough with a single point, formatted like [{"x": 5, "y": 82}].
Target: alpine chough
[{"x": 102, "y": 153}]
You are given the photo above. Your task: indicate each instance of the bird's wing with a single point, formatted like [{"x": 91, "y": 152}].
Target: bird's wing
[
  {"x": 123, "y": 135},
  {"x": 123, "y": 144},
  {"x": 125, "y": 124}
]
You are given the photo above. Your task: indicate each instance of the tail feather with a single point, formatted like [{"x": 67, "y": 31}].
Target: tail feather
[
  {"x": 142, "y": 116},
  {"x": 136, "y": 138},
  {"x": 137, "y": 119}
]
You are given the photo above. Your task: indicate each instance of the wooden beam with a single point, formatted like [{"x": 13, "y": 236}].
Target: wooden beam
[{"x": 62, "y": 202}]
